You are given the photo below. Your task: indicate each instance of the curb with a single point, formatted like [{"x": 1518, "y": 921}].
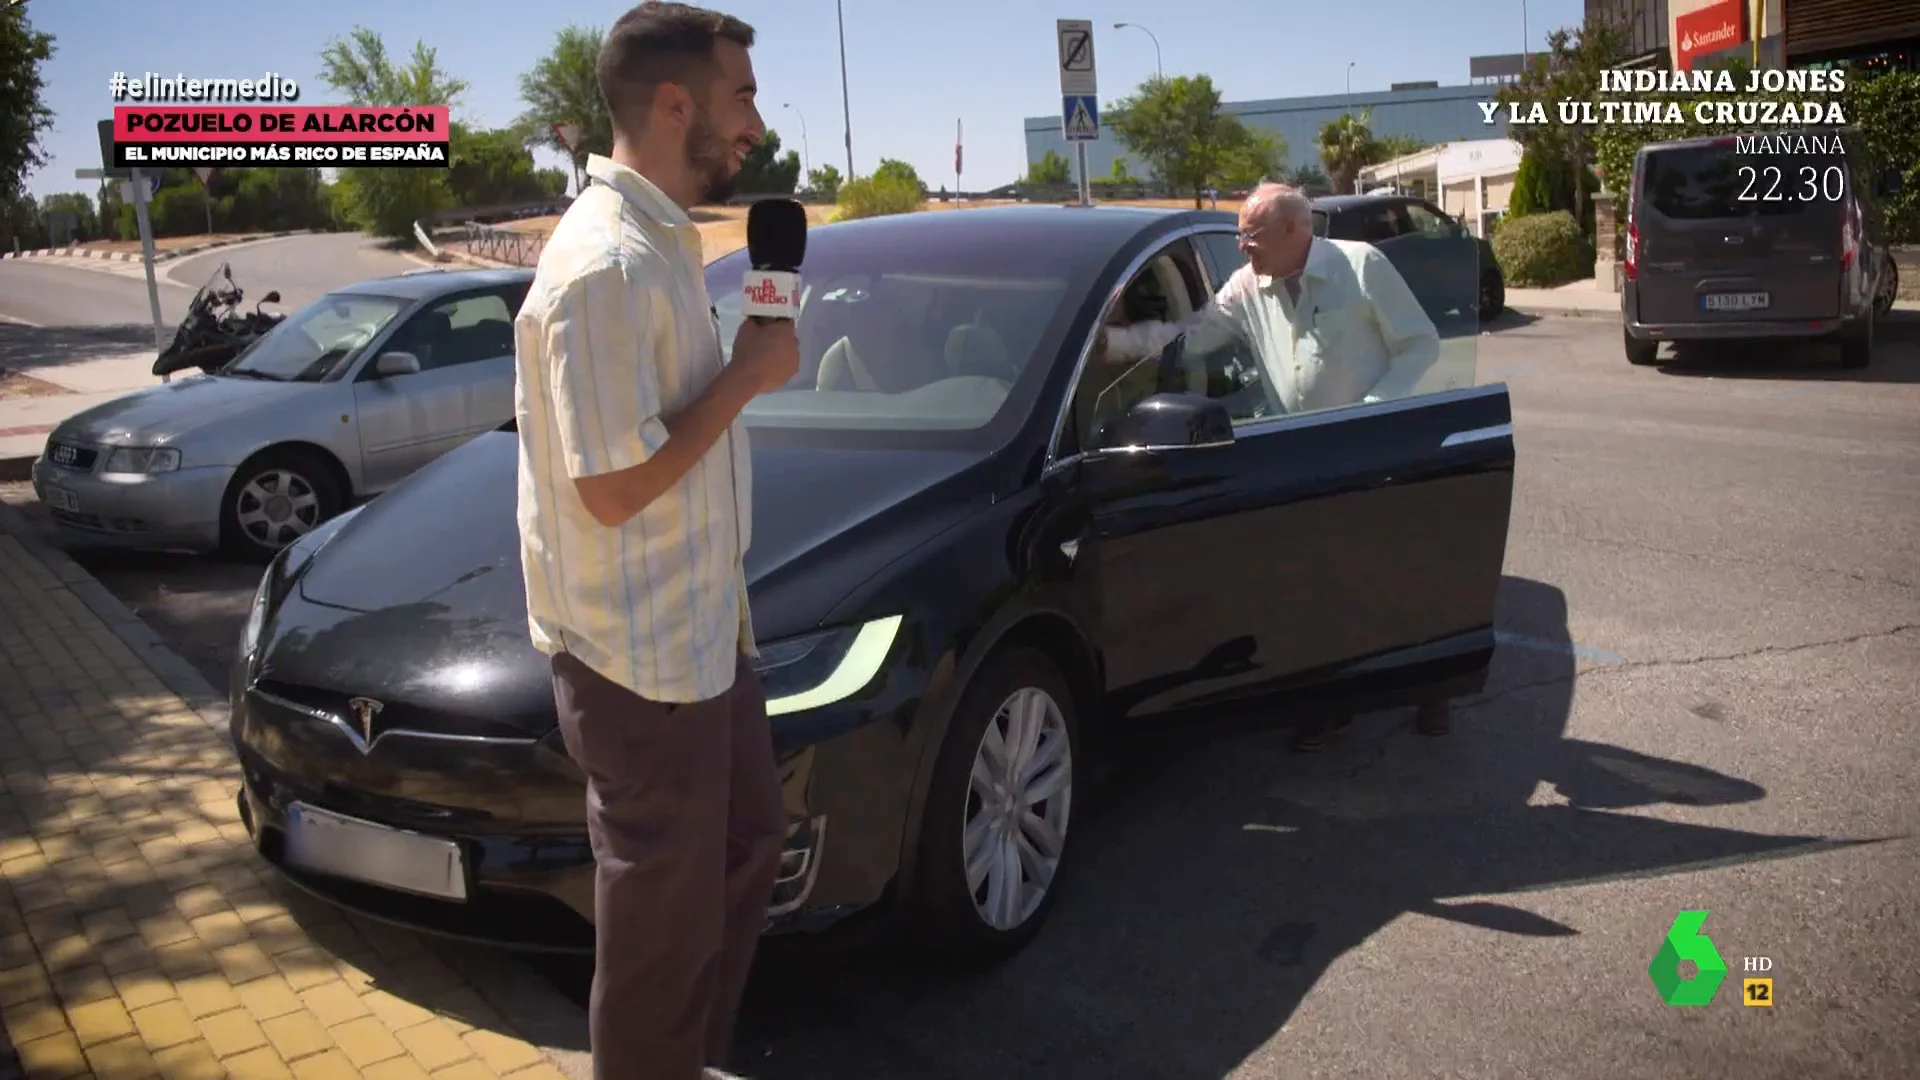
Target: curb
[
  {"x": 74, "y": 251},
  {"x": 537, "y": 1012}
]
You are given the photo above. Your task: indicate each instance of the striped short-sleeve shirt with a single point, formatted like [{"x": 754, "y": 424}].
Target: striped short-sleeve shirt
[{"x": 617, "y": 333}]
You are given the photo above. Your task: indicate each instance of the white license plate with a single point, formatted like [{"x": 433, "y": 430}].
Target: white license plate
[
  {"x": 329, "y": 843},
  {"x": 1736, "y": 301},
  {"x": 61, "y": 499}
]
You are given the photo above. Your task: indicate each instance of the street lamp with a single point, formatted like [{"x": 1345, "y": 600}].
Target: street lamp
[
  {"x": 846, "y": 109},
  {"x": 1350, "y": 64},
  {"x": 805, "y": 156},
  {"x": 1156, "y": 44}
]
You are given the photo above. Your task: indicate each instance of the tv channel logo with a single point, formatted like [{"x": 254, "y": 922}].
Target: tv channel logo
[{"x": 1685, "y": 942}]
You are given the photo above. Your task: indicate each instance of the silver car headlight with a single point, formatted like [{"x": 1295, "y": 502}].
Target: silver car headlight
[
  {"x": 141, "y": 460},
  {"x": 819, "y": 669}
]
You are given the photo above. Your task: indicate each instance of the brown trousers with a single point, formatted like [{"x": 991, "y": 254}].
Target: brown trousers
[{"x": 684, "y": 812}]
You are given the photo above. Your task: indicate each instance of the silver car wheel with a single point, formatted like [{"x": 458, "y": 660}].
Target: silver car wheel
[
  {"x": 1018, "y": 799},
  {"x": 276, "y": 507}
]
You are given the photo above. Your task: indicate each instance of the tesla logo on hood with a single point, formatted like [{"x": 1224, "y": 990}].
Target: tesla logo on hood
[{"x": 364, "y": 710}]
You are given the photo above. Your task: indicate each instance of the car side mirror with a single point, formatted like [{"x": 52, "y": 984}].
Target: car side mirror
[
  {"x": 1171, "y": 421},
  {"x": 396, "y": 363},
  {"x": 271, "y": 298},
  {"x": 1890, "y": 182}
]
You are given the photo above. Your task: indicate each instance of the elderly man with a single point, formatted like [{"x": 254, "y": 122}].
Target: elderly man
[{"x": 1331, "y": 322}]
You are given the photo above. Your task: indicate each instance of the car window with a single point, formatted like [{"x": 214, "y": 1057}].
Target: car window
[
  {"x": 458, "y": 331},
  {"x": 318, "y": 340},
  {"x": 1429, "y": 222},
  {"x": 1168, "y": 288},
  {"x": 1703, "y": 183},
  {"x": 1223, "y": 254},
  {"x": 1321, "y": 223},
  {"x": 1380, "y": 222},
  {"x": 919, "y": 341}
]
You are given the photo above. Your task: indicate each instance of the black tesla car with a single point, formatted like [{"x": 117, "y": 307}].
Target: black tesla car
[{"x": 980, "y": 546}]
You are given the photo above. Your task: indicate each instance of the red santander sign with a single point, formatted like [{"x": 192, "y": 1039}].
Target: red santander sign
[{"x": 1708, "y": 30}]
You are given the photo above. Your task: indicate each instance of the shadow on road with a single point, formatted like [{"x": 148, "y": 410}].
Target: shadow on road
[
  {"x": 1218, "y": 880},
  {"x": 1896, "y": 357},
  {"x": 1508, "y": 319},
  {"x": 27, "y": 349}
]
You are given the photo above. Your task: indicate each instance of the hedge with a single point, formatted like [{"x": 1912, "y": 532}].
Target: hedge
[
  {"x": 1543, "y": 250},
  {"x": 877, "y": 195}
]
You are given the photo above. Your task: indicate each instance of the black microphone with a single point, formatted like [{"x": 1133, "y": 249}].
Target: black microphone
[{"x": 776, "y": 244}]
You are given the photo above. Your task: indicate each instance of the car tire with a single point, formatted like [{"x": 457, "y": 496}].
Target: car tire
[
  {"x": 1889, "y": 287},
  {"x": 1493, "y": 296},
  {"x": 253, "y": 526},
  {"x": 1856, "y": 348},
  {"x": 1640, "y": 353},
  {"x": 948, "y": 917}
]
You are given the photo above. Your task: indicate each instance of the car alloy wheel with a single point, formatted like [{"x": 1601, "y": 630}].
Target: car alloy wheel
[
  {"x": 1019, "y": 799},
  {"x": 993, "y": 846},
  {"x": 1889, "y": 287},
  {"x": 275, "y": 499}
]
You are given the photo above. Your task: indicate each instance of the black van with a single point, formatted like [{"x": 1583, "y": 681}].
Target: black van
[{"x": 1756, "y": 237}]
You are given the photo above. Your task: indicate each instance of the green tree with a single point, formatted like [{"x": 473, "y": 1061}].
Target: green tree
[
  {"x": 1307, "y": 176},
  {"x": 766, "y": 171},
  {"x": 552, "y": 182},
  {"x": 1051, "y": 169},
  {"x": 1569, "y": 70},
  {"x": 563, "y": 88},
  {"x": 491, "y": 167},
  {"x": 23, "y": 117},
  {"x": 1346, "y": 145},
  {"x": 384, "y": 201},
  {"x": 824, "y": 182},
  {"x": 1887, "y": 108},
  {"x": 1538, "y": 187},
  {"x": 1118, "y": 174},
  {"x": 1177, "y": 128},
  {"x": 900, "y": 172}
]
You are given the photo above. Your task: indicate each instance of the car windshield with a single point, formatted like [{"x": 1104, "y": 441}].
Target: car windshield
[
  {"x": 1700, "y": 183},
  {"x": 911, "y": 339},
  {"x": 319, "y": 340}
]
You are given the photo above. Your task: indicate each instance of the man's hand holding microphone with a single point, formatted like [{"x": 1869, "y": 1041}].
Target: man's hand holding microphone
[{"x": 766, "y": 349}]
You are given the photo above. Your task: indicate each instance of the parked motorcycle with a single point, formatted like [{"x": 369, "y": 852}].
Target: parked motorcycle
[{"x": 216, "y": 329}]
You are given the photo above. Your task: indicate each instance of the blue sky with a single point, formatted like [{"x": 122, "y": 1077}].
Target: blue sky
[{"x": 913, "y": 68}]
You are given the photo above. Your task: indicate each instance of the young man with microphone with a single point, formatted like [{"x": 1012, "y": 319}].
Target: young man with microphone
[{"x": 635, "y": 497}]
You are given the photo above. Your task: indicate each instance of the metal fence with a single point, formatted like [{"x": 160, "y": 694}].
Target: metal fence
[{"x": 503, "y": 245}]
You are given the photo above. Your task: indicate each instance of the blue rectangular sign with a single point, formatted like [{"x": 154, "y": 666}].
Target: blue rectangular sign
[{"x": 1080, "y": 117}]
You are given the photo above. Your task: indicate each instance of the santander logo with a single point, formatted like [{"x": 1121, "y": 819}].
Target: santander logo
[{"x": 1726, "y": 33}]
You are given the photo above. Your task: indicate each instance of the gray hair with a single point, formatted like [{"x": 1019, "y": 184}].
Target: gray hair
[{"x": 1280, "y": 202}]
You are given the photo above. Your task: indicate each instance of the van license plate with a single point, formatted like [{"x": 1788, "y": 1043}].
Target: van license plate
[
  {"x": 1736, "y": 301},
  {"x": 62, "y": 499}
]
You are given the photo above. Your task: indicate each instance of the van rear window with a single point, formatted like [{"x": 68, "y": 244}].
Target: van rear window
[{"x": 1702, "y": 182}]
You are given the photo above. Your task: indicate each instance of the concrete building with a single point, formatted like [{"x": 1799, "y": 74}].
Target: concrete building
[
  {"x": 1470, "y": 179},
  {"x": 1431, "y": 114}
]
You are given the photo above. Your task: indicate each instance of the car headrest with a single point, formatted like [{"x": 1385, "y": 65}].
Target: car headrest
[{"x": 976, "y": 349}]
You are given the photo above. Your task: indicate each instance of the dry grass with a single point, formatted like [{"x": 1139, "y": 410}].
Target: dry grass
[
  {"x": 723, "y": 229},
  {"x": 160, "y": 243}
]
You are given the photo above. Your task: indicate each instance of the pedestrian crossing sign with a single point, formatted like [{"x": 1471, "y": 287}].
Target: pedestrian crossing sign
[{"x": 1080, "y": 117}]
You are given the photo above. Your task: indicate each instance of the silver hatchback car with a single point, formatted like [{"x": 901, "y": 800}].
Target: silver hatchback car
[{"x": 340, "y": 402}]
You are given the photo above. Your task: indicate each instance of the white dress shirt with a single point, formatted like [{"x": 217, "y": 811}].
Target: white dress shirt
[
  {"x": 1354, "y": 333},
  {"x": 616, "y": 333}
]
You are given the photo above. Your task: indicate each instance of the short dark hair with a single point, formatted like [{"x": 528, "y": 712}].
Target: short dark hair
[{"x": 659, "y": 43}]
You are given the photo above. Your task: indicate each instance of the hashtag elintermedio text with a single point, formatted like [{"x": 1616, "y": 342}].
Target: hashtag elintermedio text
[{"x": 152, "y": 87}]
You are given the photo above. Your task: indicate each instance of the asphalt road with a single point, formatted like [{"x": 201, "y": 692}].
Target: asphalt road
[
  {"x": 302, "y": 268},
  {"x": 1712, "y": 626}
]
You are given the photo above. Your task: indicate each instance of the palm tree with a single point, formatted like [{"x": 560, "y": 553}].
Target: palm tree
[{"x": 1346, "y": 146}]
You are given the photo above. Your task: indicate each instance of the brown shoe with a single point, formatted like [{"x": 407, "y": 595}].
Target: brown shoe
[{"x": 1434, "y": 718}]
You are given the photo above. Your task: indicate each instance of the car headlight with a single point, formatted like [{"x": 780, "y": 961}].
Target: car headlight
[
  {"x": 257, "y": 613},
  {"x": 819, "y": 669},
  {"x": 141, "y": 460}
]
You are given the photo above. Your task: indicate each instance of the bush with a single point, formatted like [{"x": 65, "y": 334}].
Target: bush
[
  {"x": 1542, "y": 250},
  {"x": 1536, "y": 187},
  {"x": 878, "y": 195}
]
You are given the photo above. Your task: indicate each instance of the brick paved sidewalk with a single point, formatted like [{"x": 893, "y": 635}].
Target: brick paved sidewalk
[{"x": 140, "y": 935}]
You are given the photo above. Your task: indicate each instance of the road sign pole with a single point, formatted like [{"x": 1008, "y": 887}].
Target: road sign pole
[
  {"x": 142, "y": 195},
  {"x": 1086, "y": 186}
]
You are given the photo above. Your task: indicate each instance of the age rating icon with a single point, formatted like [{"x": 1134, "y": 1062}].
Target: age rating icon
[{"x": 1685, "y": 942}]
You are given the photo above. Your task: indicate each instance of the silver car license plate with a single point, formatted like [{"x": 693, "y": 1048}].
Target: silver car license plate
[
  {"x": 330, "y": 843},
  {"x": 60, "y": 498},
  {"x": 1736, "y": 301}
]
